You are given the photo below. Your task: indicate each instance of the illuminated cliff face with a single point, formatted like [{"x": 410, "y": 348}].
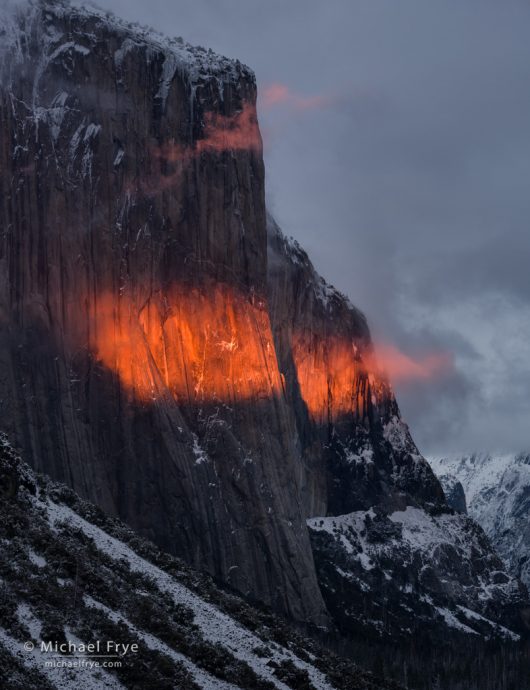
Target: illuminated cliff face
[
  {"x": 197, "y": 345},
  {"x": 194, "y": 344},
  {"x": 207, "y": 345},
  {"x": 338, "y": 378},
  {"x": 332, "y": 377}
]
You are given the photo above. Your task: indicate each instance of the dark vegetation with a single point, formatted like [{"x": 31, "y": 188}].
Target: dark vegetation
[{"x": 74, "y": 568}]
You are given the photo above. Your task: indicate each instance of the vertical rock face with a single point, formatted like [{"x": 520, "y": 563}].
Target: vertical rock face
[
  {"x": 391, "y": 555},
  {"x": 137, "y": 358},
  {"x": 454, "y": 492},
  {"x": 356, "y": 450},
  {"x": 178, "y": 618}
]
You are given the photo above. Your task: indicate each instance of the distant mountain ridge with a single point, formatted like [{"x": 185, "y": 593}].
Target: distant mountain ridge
[{"x": 497, "y": 489}]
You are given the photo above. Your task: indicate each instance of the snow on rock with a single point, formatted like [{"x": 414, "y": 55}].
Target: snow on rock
[
  {"x": 72, "y": 574},
  {"x": 473, "y": 615},
  {"x": 21, "y": 20},
  {"x": 198, "y": 451},
  {"x": 326, "y": 295},
  {"x": 497, "y": 491},
  {"x": 351, "y": 532},
  {"x": 397, "y": 433},
  {"x": 476, "y": 471},
  {"x": 204, "y": 679},
  {"x": 215, "y": 626},
  {"x": 89, "y": 677},
  {"x": 29, "y": 620},
  {"x": 434, "y": 564},
  {"x": 37, "y": 560}
]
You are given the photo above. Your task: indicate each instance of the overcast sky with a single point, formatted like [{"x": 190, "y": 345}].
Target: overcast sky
[{"x": 397, "y": 146}]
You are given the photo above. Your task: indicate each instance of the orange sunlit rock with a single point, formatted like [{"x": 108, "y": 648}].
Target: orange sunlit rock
[
  {"x": 191, "y": 344},
  {"x": 336, "y": 379},
  {"x": 204, "y": 345},
  {"x": 333, "y": 379}
]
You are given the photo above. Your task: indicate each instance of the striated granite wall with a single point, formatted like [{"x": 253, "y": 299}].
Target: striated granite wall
[
  {"x": 136, "y": 355},
  {"x": 356, "y": 450},
  {"x": 170, "y": 355}
]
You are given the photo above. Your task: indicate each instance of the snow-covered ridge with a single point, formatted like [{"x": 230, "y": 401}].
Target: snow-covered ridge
[
  {"x": 435, "y": 566},
  {"x": 324, "y": 292},
  {"x": 86, "y": 21},
  {"x": 215, "y": 626},
  {"x": 476, "y": 471},
  {"x": 497, "y": 489}
]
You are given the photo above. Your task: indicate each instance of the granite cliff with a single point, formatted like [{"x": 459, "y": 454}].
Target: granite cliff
[
  {"x": 395, "y": 561},
  {"x": 167, "y": 353},
  {"x": 137, "y": 359}
]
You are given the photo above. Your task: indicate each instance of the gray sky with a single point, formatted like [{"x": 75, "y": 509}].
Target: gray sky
[{"x": 397, "y": 145}]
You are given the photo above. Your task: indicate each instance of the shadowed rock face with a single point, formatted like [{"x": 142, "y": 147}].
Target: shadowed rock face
[
  {"x": 392, "y": 557},
  {"x": 356, "y": 451},
  {"x": 164, "y": 350},
  {"x": 190, "y": 634},
  {"x": 454, "y": 493},
  {"x": 137, "y": 359}
]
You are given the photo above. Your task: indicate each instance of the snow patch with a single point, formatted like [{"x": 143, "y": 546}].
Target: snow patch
[
  {"x": 204, "y": 680},
  {"x": 199, "y": 452},
  {"x": 37, "y": 560},
  {"x": 30, "y": 621}
]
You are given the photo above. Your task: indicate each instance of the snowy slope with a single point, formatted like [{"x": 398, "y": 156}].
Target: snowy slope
[
  {"x": 69, "y": 573},
  {"x": 497, "y": 489},
  {"x": 431, "y": 569}
]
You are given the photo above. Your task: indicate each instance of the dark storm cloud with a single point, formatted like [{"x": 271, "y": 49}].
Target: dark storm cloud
[{"x": 406, "y": 178}]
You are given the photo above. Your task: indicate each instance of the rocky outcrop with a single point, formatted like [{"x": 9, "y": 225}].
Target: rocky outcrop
[
  {"x": 415, "y": 570},
  {"x": 454, "y": 493},
  {"x": 356, "y": 450},
  {"x": 497, "y": 489},
  {"x": 392, "y": 556}
]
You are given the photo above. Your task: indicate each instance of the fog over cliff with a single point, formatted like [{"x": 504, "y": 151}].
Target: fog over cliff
[{"x": 397, "y": 152}]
